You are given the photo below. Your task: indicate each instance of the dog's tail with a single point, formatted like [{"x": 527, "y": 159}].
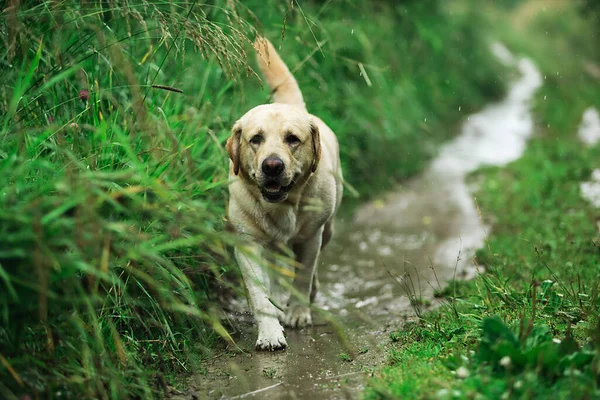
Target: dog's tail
[{"x": 279, "y": 78}]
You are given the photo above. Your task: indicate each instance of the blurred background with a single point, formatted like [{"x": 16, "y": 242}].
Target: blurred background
[{"x": 114, "y": 259}]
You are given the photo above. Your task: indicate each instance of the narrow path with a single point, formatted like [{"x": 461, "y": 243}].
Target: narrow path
[{"x": 423, "y": 235}]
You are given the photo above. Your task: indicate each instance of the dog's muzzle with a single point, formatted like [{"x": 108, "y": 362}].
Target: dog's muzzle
[
  {"x": 272, "y": 188},
  {"x": 273, "y": 192}
]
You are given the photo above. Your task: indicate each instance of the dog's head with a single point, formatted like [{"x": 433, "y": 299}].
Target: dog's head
[{"x": 274, "y": 146}]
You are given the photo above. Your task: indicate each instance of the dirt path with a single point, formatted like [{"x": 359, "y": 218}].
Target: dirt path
[{"x": 423, "y": 235}]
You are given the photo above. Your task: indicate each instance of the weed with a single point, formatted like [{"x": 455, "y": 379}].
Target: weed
[
  {"x": 527, "y": 357},
  {"x": 395, "y": 336},
  {"x": 406, "y": 282},
  {"x": 269, "y": 372}
]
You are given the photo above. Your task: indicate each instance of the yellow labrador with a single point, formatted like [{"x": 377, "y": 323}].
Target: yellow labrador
[{"x": 286, "y": 187}]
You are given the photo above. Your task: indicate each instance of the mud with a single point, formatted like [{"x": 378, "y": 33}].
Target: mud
[{"x": 409, "y": 243}]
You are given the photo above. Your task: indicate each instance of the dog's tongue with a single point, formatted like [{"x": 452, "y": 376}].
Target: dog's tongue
[{"x": 273, "y": 186}]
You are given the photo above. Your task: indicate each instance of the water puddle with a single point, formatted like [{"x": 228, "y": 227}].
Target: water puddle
[{"x": 422, "y": 235}]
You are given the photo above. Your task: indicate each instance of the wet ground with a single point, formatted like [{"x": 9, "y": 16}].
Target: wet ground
[{"x": 409, "y": 243}]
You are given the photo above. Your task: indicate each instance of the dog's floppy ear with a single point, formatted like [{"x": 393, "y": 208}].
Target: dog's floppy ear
[
  {"x": 233, "y": 147},
  {"x": 316, "y": 144}
]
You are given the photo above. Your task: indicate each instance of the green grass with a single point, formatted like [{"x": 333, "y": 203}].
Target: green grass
[
  {"x": 529, "y": 326},
  {"x": 112, "y": 248},
  {"x": 392, "y": 86},
  {"x": 269, "y": 372},
  {"x": 111, "y": 209}
]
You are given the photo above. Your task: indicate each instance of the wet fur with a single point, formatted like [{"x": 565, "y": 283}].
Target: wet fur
[{"x": 303, "y": 219}]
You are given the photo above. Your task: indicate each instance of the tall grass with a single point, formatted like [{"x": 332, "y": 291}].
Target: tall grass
[
  {"x": 113, "y": 181},
  {"x": 113, "y": 191}
]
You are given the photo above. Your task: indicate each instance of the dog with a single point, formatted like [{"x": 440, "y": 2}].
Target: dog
[{"x": 286, "y": 186}]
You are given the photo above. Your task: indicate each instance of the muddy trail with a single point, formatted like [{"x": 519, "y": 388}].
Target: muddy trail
[{"x": 410, "y": 243}]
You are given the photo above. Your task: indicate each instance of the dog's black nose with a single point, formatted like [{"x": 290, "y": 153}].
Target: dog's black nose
[{"x": 272, "y": 166}]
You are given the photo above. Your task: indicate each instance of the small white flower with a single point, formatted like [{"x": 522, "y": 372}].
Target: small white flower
[
  {"x": 462, "y": 373},
  {"x": 505, "y": 361},
  {"x": 556, "y": 340},
  {"x": 518, "y": 384},
  {"x": 572, "y": 372}
]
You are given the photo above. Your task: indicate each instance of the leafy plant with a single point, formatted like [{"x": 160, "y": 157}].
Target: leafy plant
[
  {"x": 269, "y": 372},
  {"x": 504, "y": 352}
]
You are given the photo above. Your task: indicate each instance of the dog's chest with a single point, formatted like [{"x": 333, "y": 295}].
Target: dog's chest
[
  {"x": 283, "y": 224},
  {"x": 294, "y": 227}
]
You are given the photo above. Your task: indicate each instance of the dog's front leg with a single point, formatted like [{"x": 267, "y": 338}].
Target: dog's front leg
[
  {"x": 256, "y": 278},
  {"x": 307, "y": 254}
]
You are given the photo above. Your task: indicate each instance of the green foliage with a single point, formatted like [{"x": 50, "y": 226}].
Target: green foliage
[
  {"x": 112, "y": 199},
  {"x": 114, "y": 183},
  {"x": 534, "y": 362},
  {"x": 475, "y": 353},
  {"x": 269, "y": 372},
  {"x": 501, "y": 349},
  {"x": 529, "y": 327},
  {"x": 391, "y": 85}
]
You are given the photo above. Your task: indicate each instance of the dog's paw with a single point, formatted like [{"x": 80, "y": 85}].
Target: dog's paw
[
  {"x": 270, "y": 338},
  {"x": 298, "y": 316}
]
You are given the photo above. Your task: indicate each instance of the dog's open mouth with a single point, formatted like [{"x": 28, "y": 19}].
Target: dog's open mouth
[{"x": 273, "y": 192}]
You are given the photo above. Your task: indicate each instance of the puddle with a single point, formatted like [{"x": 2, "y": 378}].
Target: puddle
[{"x": 423, "y": 235}]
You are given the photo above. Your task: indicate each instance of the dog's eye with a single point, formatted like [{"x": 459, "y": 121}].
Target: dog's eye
[
  {"x": 292, "y": 140},
  {"x": 256, "y": 139}
]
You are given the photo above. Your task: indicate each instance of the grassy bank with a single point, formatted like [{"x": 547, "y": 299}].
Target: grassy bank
[
  {"x": 530, "y": 326},
  {"x": 113, "y": 190}
]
